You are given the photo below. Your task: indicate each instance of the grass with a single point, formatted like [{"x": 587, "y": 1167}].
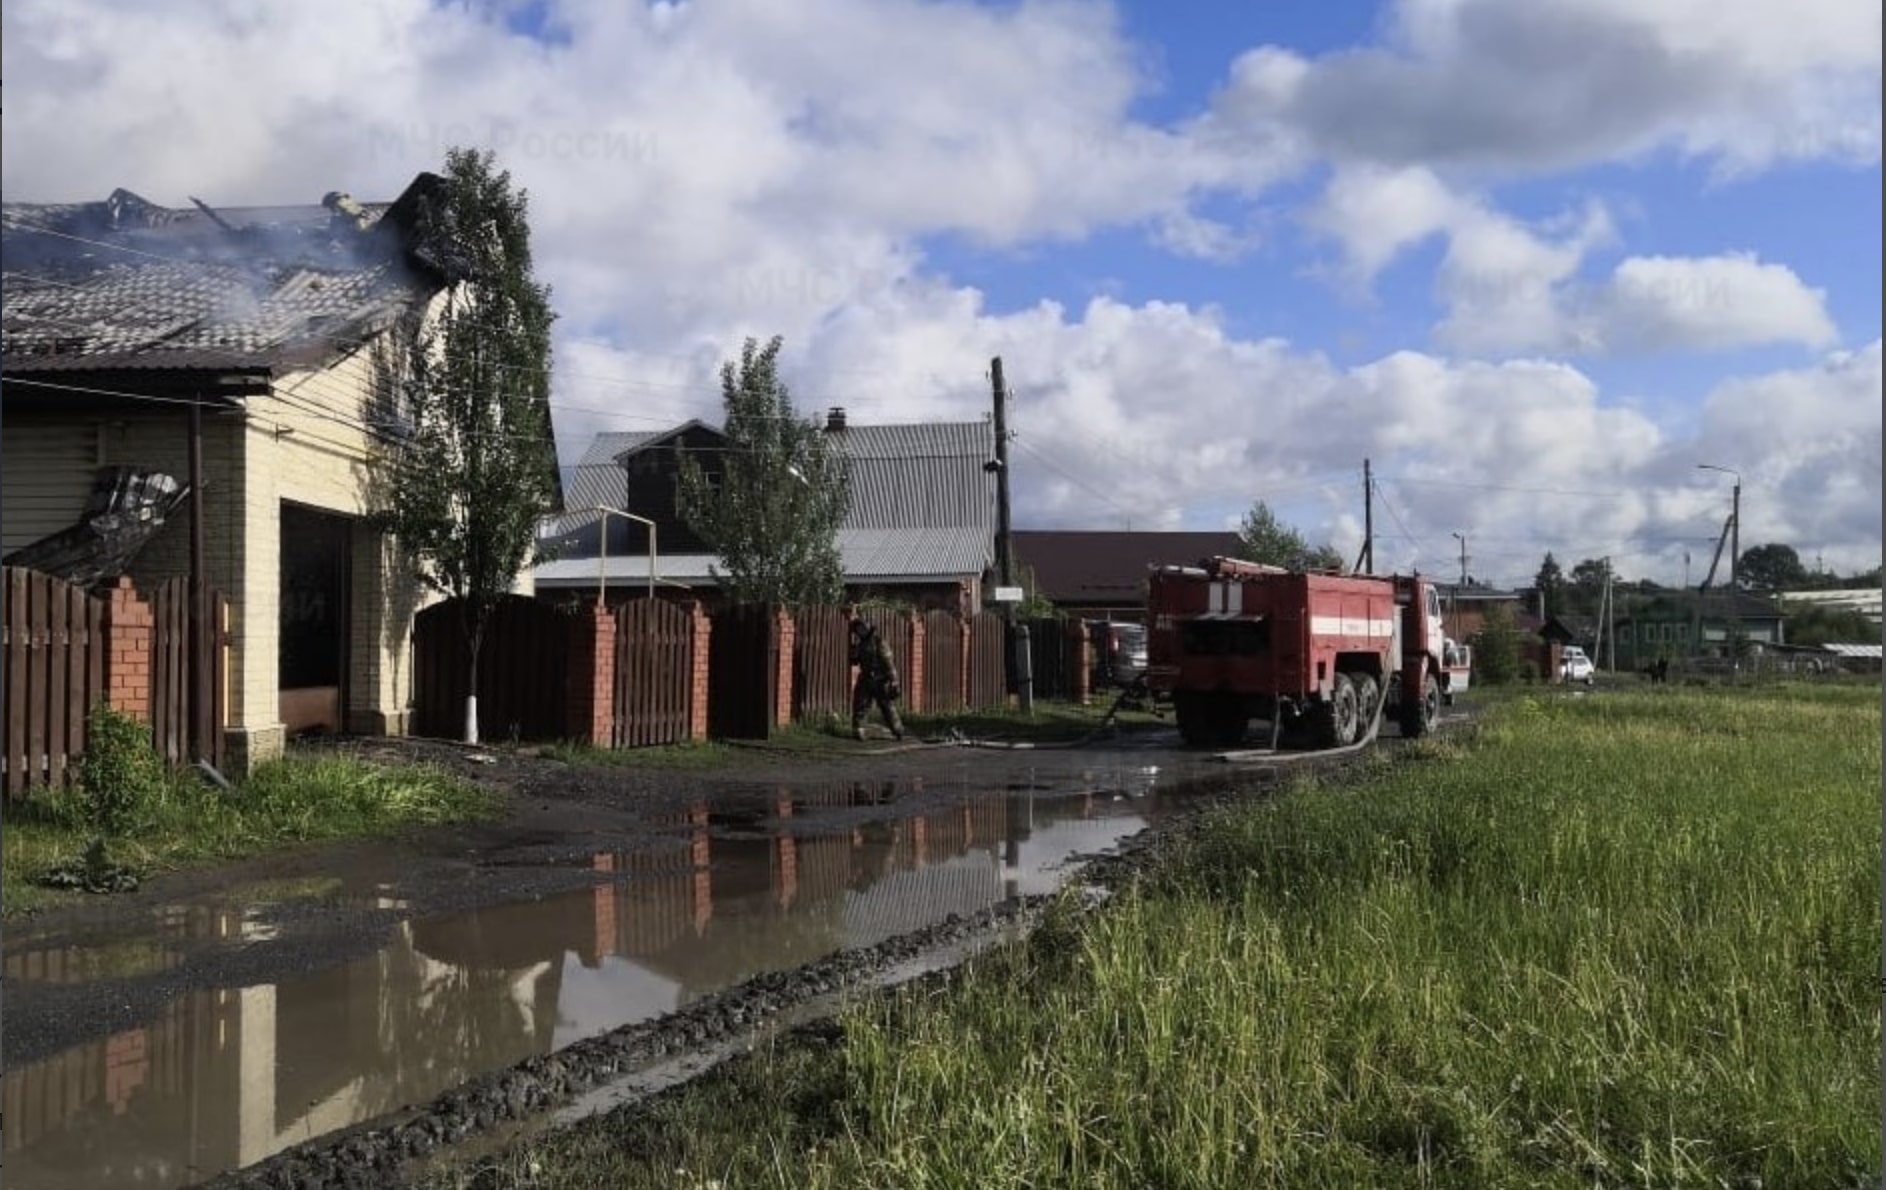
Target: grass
[
  {"x": 1621, "y": 941},
  {"x": 294, "y": 800}
]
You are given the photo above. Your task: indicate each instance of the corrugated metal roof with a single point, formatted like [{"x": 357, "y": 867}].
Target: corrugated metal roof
[
  {"x": 926, "y": 474},
  {"x": 604, "y": 447},
  {"x": 1854, "y": 650},
  {"x": 867, "y": 555},
  {"x": 127, "y": 284}
]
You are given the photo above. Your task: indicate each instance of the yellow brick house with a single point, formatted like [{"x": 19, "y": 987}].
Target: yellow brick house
[{"x": 121, "y": 316}]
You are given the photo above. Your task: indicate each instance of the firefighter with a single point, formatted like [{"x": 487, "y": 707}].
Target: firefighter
[{"x": 877, "y": 678}]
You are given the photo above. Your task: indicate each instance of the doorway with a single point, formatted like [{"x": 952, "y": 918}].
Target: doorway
[{"x": 315, "y": 615}]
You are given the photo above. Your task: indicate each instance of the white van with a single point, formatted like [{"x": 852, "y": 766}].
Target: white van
[{"x": 1574, "y": 666}]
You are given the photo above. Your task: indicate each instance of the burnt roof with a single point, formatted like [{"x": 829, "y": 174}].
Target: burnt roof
[
  {"x": 1073, "y": 566},
  {"x": 124, "y": 284}
]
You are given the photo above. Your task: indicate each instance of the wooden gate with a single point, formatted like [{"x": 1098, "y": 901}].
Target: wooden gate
[
  {"x": 821, "y": 663},
  {"x": 742, "y": 672},
  {"x": 942, "y": 662},
  {"x": 170, "y": 671},
  {"x": 521, "y": 670},
  {"x": 987, "y": 684},
  {"x": 654, "y": 673},
  {"x": 55, "y": 670}
]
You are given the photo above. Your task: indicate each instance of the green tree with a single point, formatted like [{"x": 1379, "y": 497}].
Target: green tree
[
  {"x": 1550, "y": 583},
  {"x": 467, "y": 484},
  {"x": 1264, "y": 538},
  {"x": 772, "y": 509},
  {"x": 1771, "y": 567},
  {"x": 1497, "y": 647},
  {"x": 1585, "y": 593},
  {"x": 1813, "y": 624}
]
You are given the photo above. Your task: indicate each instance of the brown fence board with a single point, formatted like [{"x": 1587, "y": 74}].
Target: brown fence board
[
  {"x": 654, "y": 673},
  {"x": 987, "y": 682},
  {"x": 17, "y": 666},
  {"x": 39, "y": 596},
  {"x": 171, "y": 669},
  {"x": 821, "y": 663},
  {"x": 54, "y": 661},
  {"x": 942, "y": 662}
]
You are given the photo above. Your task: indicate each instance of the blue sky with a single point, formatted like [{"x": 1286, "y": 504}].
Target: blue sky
[{"x": 1533, "y": 258}]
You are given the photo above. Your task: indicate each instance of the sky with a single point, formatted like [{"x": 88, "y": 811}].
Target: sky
[{"x": 1535, "y": 260}]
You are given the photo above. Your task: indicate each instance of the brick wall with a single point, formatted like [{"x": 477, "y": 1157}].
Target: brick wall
[
  {"x": 913, "y": 681},
  {"x": 782, "y": 703},
  {"x": 703, "y": 642},
  {"x": 129, "y": 629},
  {"x": 591, "y": 677}
]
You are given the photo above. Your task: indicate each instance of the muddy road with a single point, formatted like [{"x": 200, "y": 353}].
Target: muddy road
[{"x": 323, "y": 1017}]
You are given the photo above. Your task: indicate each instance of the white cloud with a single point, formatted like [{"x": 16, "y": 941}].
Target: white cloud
[
  {"x": 699, "y": 173},
  {"x": 1505, "y": 87},
  {"x": 1512, "y": 287}
]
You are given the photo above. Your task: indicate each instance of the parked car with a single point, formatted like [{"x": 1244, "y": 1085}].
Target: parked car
[
  {"x": 1119, "y": 652},
  {"x": 1574, "y": 666}
]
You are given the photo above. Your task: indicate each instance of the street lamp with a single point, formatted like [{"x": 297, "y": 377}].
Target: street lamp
[{"x": 1735, "y": 557}]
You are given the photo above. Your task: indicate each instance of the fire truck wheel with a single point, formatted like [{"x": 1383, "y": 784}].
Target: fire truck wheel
[
  {"x": 1342, "y": 718},
  {"x": 1418, "y": 719},
  {"x": 1368, "y": 693}
]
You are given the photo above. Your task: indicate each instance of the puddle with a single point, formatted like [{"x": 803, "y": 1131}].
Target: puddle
[{"x": 225, "y": 1078}]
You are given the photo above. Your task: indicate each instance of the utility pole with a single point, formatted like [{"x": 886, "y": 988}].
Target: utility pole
[
  {"x": 1610, "y": 621},
  {"x": 201, "y": 651},
  {"x": 1005, "y": 545},
  {"x": 1462, "y": 539},
  {"x": 1366, "y": 565}
]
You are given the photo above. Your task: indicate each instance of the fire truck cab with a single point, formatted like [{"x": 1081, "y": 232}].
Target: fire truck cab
[{"x": 1320, "y": 656}]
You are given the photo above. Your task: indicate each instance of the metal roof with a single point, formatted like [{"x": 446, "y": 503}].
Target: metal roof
[
  {"x": 1844, "y": 650},
  {"x": 918, "y": 475},
  {"x": 866, "y": 555},
  {"x": 129, "y": 285}
]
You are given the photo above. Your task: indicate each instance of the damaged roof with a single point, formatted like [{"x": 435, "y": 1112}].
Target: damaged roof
[{"x": 125, "y": 284}]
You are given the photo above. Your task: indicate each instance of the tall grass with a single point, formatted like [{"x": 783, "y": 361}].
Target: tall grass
[
  {"x": 296, "y": 800},
  {"x": 1620, "y": 941}
]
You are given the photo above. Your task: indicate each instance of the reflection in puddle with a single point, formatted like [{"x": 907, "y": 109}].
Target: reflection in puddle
[{"x": 225, "y": 1078}]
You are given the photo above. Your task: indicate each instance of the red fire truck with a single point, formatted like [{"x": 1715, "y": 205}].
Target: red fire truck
[{"x": 1313, "y": 654}]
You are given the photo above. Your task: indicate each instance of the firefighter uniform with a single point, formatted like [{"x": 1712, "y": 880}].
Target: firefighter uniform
[{"x": 877, "y": 679}]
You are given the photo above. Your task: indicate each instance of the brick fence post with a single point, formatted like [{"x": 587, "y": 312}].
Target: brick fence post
[
  {"x": 913, "y": 681},
  {"x": 786, "y": 632},
  {"x": 701, "y": 640},
  {"x": 129, "y": 630},
  {"x": 590, "y": 716}
]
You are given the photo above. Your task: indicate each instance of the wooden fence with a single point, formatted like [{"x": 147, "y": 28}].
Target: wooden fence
[
  {"x": 987, "y": 684},
  {"x": 55, "y": 650},
  {"x": 521, "y": 671},
  {"x": 821, "y": 663},
  {"x": 942, "y": 662},
  {"x": 170, "y": 671},
  {"x": 654, "y": 676}
]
